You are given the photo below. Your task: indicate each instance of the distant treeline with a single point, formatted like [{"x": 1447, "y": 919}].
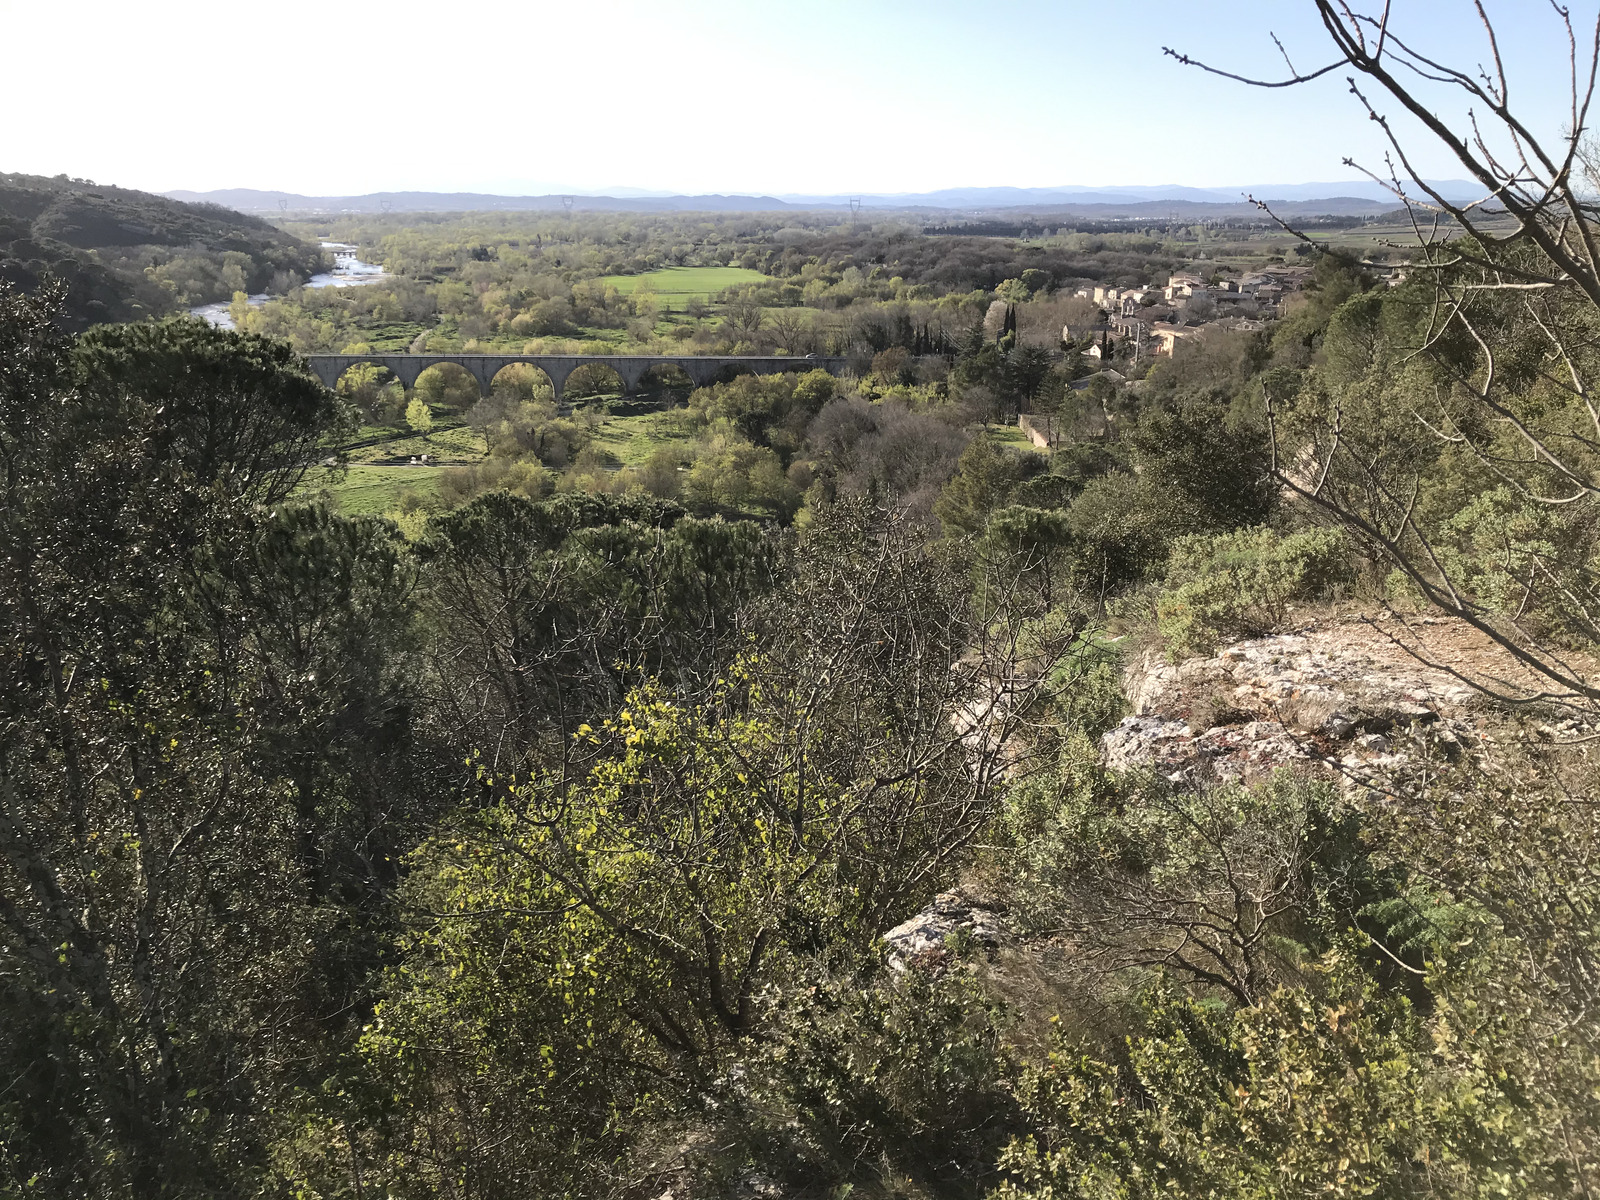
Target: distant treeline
[{"x": 1049, "y": 226}]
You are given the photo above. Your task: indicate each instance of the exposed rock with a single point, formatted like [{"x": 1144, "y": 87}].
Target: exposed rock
[
  {"x": 923, "y": 939},
  {"x": 1221, "y": 752},
  {"x": 1343, "y": 693},
  {"x": 1142, "y": 740},
  {"x": 1338, "y": 726}
]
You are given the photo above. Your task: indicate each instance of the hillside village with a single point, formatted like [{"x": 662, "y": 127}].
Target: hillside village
[{"x": 1152, "y": 319}]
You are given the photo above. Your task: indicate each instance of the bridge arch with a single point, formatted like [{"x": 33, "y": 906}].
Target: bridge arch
[
  {"x": 449, "y": 385},
  {"x": 525, "y": 380},
  {"x": 729, "y": 371},
  {"x": 666, "y": 378},
  {"x": 702, "y": 372},
  {"x": 594, "y": 380}
]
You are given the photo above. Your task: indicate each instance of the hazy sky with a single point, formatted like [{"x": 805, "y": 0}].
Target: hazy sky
[{"x": 752, "y": 96}]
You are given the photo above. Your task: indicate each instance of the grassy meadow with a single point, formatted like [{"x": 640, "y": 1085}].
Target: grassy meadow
[
  {"x": 1010, "y": 436},
  {"x": 375, "y": 482},
  {"x": 631, "y": 440},
  {"x": 676, "y": 286},
  {"x": 365, "y": 489}
]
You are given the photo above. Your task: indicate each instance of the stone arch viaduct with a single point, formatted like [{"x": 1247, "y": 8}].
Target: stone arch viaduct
[{"x": 630, "y": 368}]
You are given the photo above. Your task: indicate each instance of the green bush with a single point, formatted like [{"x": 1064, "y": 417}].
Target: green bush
[
  {"x": 1304, "y": 1095},
  {"x": 903, "y": 1089},
  {"x": 1119, "y": 529},
  {"x": 1241, "y": 583},
  {"x": 1212, "y": 475}
]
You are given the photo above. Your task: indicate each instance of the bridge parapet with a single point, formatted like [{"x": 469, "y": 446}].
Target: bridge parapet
[{"x": 630, "y": 368}]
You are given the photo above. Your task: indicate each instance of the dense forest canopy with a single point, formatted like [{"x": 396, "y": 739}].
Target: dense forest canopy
[{"x": 1023, "y": 766}]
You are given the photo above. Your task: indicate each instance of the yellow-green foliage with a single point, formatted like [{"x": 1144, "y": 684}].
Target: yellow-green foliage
[
  {"x": 418, "y": 416},
  {"x": 1241, "y": 583},
  {"x": 618, "y": 923},
  {"x": 730, "y": 473},
  {"x": 1516, "y": 557},
  {"x": 1300, "y": 1096}
]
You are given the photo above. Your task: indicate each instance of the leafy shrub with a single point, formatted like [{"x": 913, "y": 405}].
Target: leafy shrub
[
  {"x": 1343, "y": 1071},
  {"x": 1241, "y": 583},
  {"x": 759, "y": 405},
  {"x": 418, "y": 417},
  {"x": 1024, "y": 547},
  {"x": 906, "y": 1084},
  {"x": 1119, "y": 531},
  {"x": 1514, "y": 556},
  {"x": 1212, "y": 474},
  {"x": 1303, "y": 1094}
]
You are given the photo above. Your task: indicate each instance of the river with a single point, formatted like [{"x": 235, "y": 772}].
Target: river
[{"x": 348, "y": 271}]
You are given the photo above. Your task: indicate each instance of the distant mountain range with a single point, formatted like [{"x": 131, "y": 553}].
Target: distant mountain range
[
  {"x": 1013, "y": 197},
  {"x": 1351, "y": 197},
  {"x": 251, "y": 200}
]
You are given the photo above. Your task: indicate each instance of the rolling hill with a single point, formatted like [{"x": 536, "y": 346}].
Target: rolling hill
[{"x": 127, "y": 254}]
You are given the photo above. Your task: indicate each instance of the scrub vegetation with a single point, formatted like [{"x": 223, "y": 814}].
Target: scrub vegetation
[{"x": 529, "y": 821}]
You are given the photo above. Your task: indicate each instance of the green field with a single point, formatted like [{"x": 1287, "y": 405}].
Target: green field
[
  {"x": 391, "y": 338},
  {"x": 631, "y": 440},
  {"x": 676, "y": 286},
  {"x": 365, "y": 489},
  {"x": 446, "y": 443},
  {"x": 1009, "y": 435},
  {"x": 374, "y": 483}
]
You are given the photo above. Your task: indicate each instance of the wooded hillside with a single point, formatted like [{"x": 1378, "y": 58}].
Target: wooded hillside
[{"x": 127, "y": 254}]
